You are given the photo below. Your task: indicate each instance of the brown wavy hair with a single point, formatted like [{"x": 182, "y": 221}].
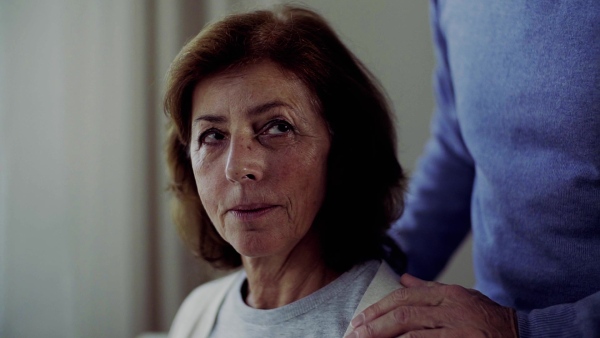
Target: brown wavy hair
[{"x": 365, "y": 182}]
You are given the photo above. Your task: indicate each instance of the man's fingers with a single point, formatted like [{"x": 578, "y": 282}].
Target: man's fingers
[
  {"x": 415, "y": 322},
  {"x": 428, "y": 306},
  {"x": 417, "y": 296},
  {"x": 410, "y": 281},
  {"x": 398, "y": 321},
  {"x": 442, "y": 333}
]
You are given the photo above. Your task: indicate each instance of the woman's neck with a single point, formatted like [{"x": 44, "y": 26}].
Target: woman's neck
[{"x": 277, "y": 281}]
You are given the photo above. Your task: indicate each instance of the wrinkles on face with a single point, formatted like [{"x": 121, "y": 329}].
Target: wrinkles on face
[{"x": 259, "y": 158}]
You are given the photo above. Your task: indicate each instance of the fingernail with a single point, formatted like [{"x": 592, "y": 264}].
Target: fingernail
[{"x": 358, "y": 321}]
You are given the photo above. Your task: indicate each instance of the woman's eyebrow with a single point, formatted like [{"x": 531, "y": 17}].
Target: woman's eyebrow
[
  {"x": 210, "y": 118},
  {"x": 256, "y": 110}
]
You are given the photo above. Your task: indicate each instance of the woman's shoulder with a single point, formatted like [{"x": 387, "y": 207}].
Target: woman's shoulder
[
  {"x": 202, "y": 303},
  {"x": 209, "y": 289},
  {"x": 384, "y": 282},
  {"x": 386, "y": 278}
]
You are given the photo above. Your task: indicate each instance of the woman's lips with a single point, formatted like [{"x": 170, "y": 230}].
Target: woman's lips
[{"x": 251, "y": 212}]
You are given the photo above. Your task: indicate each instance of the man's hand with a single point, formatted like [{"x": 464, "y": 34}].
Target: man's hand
[{"x": 429, "y": 309}]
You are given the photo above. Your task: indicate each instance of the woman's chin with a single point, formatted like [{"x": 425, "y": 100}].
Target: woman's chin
[{"x": 255, "y": 249}]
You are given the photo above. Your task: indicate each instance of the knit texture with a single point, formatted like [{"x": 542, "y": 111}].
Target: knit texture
[{"x": 514, "y": 157}]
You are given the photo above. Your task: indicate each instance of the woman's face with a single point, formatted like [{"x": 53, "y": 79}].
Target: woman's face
[{"x": 259, "y": 153}]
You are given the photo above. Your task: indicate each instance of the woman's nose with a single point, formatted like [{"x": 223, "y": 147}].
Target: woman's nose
[{"x": 244, "y": 162}]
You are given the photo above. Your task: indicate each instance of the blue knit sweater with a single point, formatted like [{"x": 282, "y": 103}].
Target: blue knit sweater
[{"x": 514, "y": 157}]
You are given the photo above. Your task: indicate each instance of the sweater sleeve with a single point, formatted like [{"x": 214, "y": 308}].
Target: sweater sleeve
[
  {"x": 437, "y": 214},
  {"x": 579, "y": 319}
]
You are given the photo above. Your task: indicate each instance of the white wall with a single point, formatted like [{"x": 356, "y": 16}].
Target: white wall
[{"x": 72, "y": 169}]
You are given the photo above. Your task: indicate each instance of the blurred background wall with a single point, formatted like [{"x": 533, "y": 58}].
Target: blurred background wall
[{"x": 87, "y": 248}]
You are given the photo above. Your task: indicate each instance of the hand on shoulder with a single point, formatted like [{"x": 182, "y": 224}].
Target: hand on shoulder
[{"x": 431, "y": 309}]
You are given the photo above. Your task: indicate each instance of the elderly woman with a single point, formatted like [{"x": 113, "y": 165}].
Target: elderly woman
[{"x": 282, "y": 157}]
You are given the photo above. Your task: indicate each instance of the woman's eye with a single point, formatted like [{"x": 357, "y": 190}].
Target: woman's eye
[
  {"x": 278, "y": 128},
  {"x": 211, "y": 136}
]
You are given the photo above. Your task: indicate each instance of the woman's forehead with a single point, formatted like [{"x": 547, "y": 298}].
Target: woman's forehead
[{"x": 253, "y": 89}]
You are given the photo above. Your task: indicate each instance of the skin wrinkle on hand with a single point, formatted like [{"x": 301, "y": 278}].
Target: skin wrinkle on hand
[{"x": 436, "y": 310}]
